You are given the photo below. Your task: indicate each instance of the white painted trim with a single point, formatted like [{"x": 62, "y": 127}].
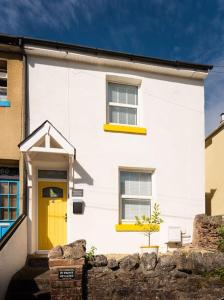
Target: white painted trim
[
  {"x": 111, "y": 62},
  {"x": 49, "y": 130},
  {"x": 123, "y": 105},
  {"x": 123, "y": 80},
  {"x": 4, "y": 224},
  {"x": 110, "y": 103},
  {"x": 53, "y": 180},
  {"x": 47, "y": 141},
  {"x": 35, "y": 138},
  {"x": 133, "y": 197},
  {"x": 48, "y": 150}
]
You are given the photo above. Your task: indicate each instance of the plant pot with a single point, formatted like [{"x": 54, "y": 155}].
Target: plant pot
[{"x": 149, "y": 249}]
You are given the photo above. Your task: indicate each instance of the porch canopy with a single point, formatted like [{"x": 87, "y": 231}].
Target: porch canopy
[{"x": 46, "y": 144}]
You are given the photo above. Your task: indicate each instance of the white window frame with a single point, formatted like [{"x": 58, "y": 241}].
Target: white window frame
[
  {"x": 134, "y": 197},
  {"x": 115, "y": 104}
]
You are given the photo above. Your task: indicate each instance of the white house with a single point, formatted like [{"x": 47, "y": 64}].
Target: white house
[{"x": 109, "y": 135}]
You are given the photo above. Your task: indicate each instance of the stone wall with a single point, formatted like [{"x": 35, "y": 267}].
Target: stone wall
[
  {"x": 205, "y": 233},
  {"x": 178, "y": 275}
]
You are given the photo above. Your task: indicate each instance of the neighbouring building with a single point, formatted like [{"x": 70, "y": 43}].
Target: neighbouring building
[
  {"x": 11, "y": 134},
  {"x": 108, "y": 135},
  {"x": 214, "y": 167}
]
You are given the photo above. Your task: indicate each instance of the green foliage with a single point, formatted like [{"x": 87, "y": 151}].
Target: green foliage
[
  {"x": 220, "y": 273},
  {"x": 154, "y": 219},
  {"x": 221, "y": 238},
  {"x": 90, "y": 254},
  {"x": 217, "y": 272}
]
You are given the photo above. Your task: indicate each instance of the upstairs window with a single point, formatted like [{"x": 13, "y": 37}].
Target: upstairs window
[
  {"x": 3, "y": 80},
  {"x": 122, "y": 104}
]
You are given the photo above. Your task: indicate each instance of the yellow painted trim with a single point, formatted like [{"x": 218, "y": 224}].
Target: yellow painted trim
[
  {"x": 148, "y": 247},
  {"x": 135, "y": 227},
  {"x": 125, "y": 129}
]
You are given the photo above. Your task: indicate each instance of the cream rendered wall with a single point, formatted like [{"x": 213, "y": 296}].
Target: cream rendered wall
[
  {"x": 214, "y": 164},
  {"x": 73, "y": 98},
  {"x": 13, "y": 257}
]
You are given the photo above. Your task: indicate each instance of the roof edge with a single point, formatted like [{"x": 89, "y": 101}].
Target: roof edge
[
  {"x": 215, "y": 131},
  {"x": 19, "y": 41}
]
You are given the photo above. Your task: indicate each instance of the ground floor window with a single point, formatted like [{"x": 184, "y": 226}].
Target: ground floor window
[
  {"x": 135, "y": 194},
  {"x": 9, "y": 204}
]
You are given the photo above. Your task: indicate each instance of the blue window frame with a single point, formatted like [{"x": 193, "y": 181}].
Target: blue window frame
[{"x": 9, "y": 204}]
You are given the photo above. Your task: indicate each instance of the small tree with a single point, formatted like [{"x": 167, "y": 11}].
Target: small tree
[
  {"x": 154, "y": 219},
  {"x": 221, "y": 238}
]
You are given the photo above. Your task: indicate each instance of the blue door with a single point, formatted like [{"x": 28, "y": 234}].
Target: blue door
[{"x": 9, "y": 204}]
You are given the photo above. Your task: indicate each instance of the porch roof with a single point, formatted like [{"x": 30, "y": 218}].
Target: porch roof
[{"x": 47, "y": 132}]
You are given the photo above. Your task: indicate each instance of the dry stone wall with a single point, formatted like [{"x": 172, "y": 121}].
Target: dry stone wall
[
  {"x": 180, "y": 275},
  {"x": 174, "y": 276},
  {"x": 205, "y": 233}
]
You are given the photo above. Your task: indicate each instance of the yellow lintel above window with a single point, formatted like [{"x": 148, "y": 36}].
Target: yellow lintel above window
[
  {"x": 135, "y": 227},
  {"x": 124, "y": 129}
]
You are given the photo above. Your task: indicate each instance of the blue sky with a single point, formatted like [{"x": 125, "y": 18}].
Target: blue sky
[{"x": 172, "y": 29}]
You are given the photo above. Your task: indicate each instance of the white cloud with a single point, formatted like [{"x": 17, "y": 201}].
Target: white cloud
[{"x": 56, "y": 14}]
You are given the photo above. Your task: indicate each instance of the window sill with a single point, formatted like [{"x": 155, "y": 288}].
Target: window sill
[
  {"x": 137, "y": 228},
  {"x": 124, "y": 129},
  {"x": 5, "y": 103}
]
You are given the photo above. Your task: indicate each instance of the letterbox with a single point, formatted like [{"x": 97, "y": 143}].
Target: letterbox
[{"x": 78, "y": 207}]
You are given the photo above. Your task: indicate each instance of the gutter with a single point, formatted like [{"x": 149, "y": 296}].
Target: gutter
[{"x": 14, "y": 41}]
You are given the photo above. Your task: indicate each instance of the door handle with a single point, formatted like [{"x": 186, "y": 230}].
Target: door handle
[{"x": 66, "y": 217}]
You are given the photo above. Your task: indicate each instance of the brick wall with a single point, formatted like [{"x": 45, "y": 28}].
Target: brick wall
[{"x": 62, "y": 283}]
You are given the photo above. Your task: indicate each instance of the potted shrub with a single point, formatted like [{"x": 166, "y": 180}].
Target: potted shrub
[{"x": 150, "y": 225}]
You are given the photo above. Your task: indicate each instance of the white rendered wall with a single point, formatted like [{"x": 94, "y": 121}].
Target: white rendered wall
[
  {"x": 73, "y": 98},
  {"x": 13, "y": 257}
]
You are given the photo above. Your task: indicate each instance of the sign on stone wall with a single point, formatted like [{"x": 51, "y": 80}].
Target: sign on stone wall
[{"x": 66, "y": 274}]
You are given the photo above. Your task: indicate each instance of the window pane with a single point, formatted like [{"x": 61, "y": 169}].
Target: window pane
[
  {"x": 121, "y": 93},
  {"x": 13, "y": 188},
  {"x": 136, "y": 183},
  {"x": 12, "y": 201},
  {"x": 3, "y": 82},
  {"x": 52, "y": 192},
  {"x": 132, "y": 208},
  {"x": 132, "y": 92},
  {"x": 123, "y": 115},
  {"x": 4, "y": 201},
  {"x": 113, "y": 93},
  {"x": 4, "y": 214},
  {"x": 12, "y": 214},
  {"x": 4, "y": 188},
  {"x": 54, "y": 174}
]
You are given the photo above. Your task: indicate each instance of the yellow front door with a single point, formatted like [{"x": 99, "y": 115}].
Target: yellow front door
[{"x": 52, "y": 217}]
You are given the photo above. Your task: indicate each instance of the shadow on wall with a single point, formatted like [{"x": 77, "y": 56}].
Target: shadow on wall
[
  {"x": 208, "y": 201},
  {"x": 84, "y": 176}
]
